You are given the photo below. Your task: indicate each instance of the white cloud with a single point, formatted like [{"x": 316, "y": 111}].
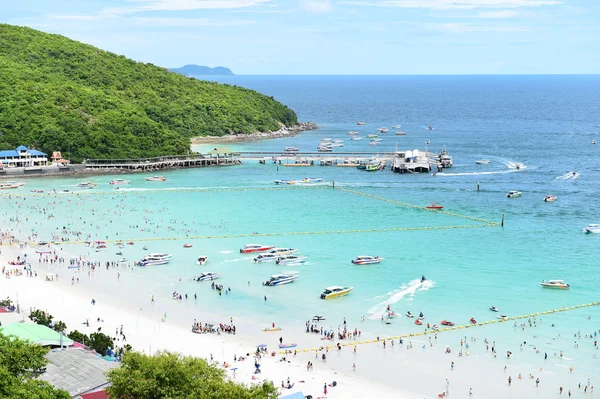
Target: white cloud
[
  {"x": 182, "y": 5},
  {"x": 316, "y": 5},
  {"x": 453, "y": 4},
  {"x": 497, "y": 14},
  {"x": 462, "y": 28},
  {"x": 186, "y": 22}
]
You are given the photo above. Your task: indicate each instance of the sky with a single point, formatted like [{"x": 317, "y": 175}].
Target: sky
[{"x": 352, "y": 37}]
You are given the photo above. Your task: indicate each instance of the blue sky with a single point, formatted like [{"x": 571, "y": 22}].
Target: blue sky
[{"x": 333, "y": 36}]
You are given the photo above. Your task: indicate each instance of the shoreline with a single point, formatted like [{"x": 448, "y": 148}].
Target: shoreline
[{"x": 243, "y": 138}]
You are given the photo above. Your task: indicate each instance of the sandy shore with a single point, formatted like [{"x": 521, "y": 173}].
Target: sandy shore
[{"x": 241, "y": 138}]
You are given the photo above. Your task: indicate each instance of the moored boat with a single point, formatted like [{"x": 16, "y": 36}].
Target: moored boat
[
  {"x": 202, "y": 260},
  {"x": 249, "y": 248},
  {"x": 312, "y": 180},
  {"x": 7, "y": 186},
  {"x": 559, "y": 284},
  {"x": 156, "y": 178},
  {"x": 447, "y": 323},
  {"x": 352, "y": 133},
  {"x": 434, "y": 206},
  {"x": 335, "y": 291},
  {"x": 284, "y": 181},
  {"x": 372, "y": 168},
  {"x": 119, "y": 181},
  {"x": 290, "y": 260},
  {"x": 356, "y": 138},
  {"x": 550, "y": 198},
  {"x": 400, "y": 133},
  {"x": 86, "y": 184},
  {"x": 592, "y": 228},
  {"x": 366, "y": 260},
  {"x": 360, "y": 123},
  {"x": 206, "y": 276},
  {"x": 281, "y": 279},
  {"x": 483, "y": 162},
  {"x": 514, "y": 194},
  {"x": 291, "y": 149}
]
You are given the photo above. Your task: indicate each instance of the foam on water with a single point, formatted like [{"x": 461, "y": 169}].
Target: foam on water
[{"x": 410, "y": 289}]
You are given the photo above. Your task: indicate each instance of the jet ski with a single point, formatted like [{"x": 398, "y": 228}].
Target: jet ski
[
  {"x": 423, "y": 278},
  {"x": 418, "y": 322},
  {"x": 494, "y": 309},
  {"x": 447, "y": 323},
  {"x": 473, "y": 321},
  {"x": 421, "y": 316},
  {"x": 503, "y": 316},
  {"x": 408, "y": 314},
  {"x": 318, "y": 318}
]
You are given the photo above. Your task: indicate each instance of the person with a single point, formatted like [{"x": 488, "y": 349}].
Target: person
[
  {"x": 325, "y": 389},
  {"x": 509, "y": 380},
  {"x": 537, "y": 382},
  {"x": 93, "y": 301},
  {"x": 452, "y": 366},
  {"x": 423, "y": 278}
]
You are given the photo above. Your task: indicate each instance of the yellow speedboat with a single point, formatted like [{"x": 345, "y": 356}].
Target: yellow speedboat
[{"x": 335, "y": 291}]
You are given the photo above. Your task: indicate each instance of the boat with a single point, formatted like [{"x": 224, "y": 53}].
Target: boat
[
  {"x": 37, "y": 191},
  {"x": 324, "y": 149},
  {"x": 206, "y": 276},
  {"x": 483, "y": 162},
  {"x": 366, "y": 260},
  {"x": 514, "y": 194},
  {"x": 447, "y": 323},
  {"x": 202, "y": 260},
  {"x": 352, "y": 133},
  {"x": 434, "y": 206},
  {"x": 291, "y": 260},
  {"x": 550, "y": 198},
  {"x": 445, "y": 159},
  {"x": 281, "y": 279},
  {"x": 283, "y": 251},
  {"x": 372, "y": 168},
  {"x": 473, "y": 321},
  {"x": 335, "y": 291},
  {"x": 266, "y": 258},
  {"x": 160, "y": 255},
  {"x": 291, "y": 149},
  {"x": 360, "y": 123},
  {"x": 119, "y": 181},
  {"x": 503, "y": 317},
  {"x": 408, "y": 314},
  {"x": 396, "y": 126},
  {"x": 400, "y": 133},
  {"x": 15, "y": 183},
  {"x": 284, "y": 181},
  {"x": 592, "y": 228},
  {"x": 418, "y": 322},
  {"x": 559, "y": 284},
  {"x": 372, "y": 136},
  {"x": 318, "y": 318},
  {"x": 156, "y": 178},
  {"x": 187, "y": 245},
  {"x": 86, "y": 184},
  {"x": 6, "y": 186},
  {"x": 287, "y": 346},
  {"x": 249, "y": 248},
  {"x": 494, "y": 309},
  {"x": 375, "y": 139},
  {"x": 356, "y": 138},
  {"x": 270, "y": 329},
  {"x": 375, "y": 143},
  {"x": 430, "y": 127},
  {"x": 383, "y": 129},
  {"x": 312, "y": 180},
  {"x": 155, "y": 259}
]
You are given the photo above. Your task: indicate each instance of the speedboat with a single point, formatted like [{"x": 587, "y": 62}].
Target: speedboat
[
  {"x": 550, "y": 198},
  {"x": 207, "y": 276},
  {"x": 156, "y": 178},
  {"x": 356, "y": 138},
  {"x": 375, "y": 143},
  {"x": 283, "y": 251},
  {"x": 396, "y": 126},
  {"x": 592, "y": 228},
  {"x": 375, "y": 139},
  {"x": 149, "y": 261},
  {"x": 324, "y": 149},
  {"x": 560, "y": 284},
  {"x": 483, "y": 162},
  {"x": 383, "y": 129},
  {"x": 249, "y": 248},
  {"x": 513, "y": 194},
  {"x": 366, "y": 260},
  {"x": 291, "y": 149},
  {"x": 494, "y": 309},
  {"x": 335, "y": 291},
  {"x": 187, "y": 245},
  {"x": 119, "y": 181},
  {"x": 360, "y": 123},
  {"x": 372, "y": 136},
  {"x": 434, "y": 206},
  {"x": 445, "y": 159},
  {"x": 400, "y": 133},
  {"x": 284, "y": 181},
  {"x": 291, "y": 260},
  {"x": 6, "y": 186},
  {"x": 202, "y": 260},
  {"x": 37, "y": 191},
  {"x": 312, "y": 180},
  {"x": 15, "y": 183},
  {"x": 266, "y": 258},
  {"x": 352, "y": 133},
  {"x": 318, "y": 318},
  {"x": 160, "y": 255},
  {"x": 408, "y": 314},
  {"x": 281, "y": 279},
  {"x": 503, "y": 317},
  {"x": 447, "y": 323},
  {"x": 86, "y": 184}
]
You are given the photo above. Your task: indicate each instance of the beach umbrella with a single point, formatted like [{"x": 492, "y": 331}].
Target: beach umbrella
[
  {"x": 233, "y": 369},
  {"x": 262, "y": 346}
]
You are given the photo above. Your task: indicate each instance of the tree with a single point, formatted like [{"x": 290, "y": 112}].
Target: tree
[
  {"x": 79, "y": 337},
  {"x": 6, "y": 302},
  {"x": 168, "y": 375},
  {"x": 41, "y": 317},
  {"x": 100, "y": 342},
  {"x": 19, "y": 362},
  {"x": 60, "y": 327}
]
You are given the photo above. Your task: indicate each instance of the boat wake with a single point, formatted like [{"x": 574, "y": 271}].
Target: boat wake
[
  {"x": 569, "y": 176},
  {"x": 498, "y": 172},
  {"x": 225, "y": 252},
  {"x": 395, "y": 296}
]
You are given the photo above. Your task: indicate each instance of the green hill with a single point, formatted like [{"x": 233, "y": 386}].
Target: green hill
[{"x": 56, "y": 94}]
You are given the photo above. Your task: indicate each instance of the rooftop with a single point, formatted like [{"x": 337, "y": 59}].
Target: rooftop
[{"x": 36, "y": 333}]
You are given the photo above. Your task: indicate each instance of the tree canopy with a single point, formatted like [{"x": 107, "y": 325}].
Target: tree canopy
[
  {"x": 19, "y": 363},
  {"x": 58, "y": 94},
  {"x": 167, "y": 375}
]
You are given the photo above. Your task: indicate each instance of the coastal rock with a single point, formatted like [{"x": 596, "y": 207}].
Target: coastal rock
[{"x": 285, "y": 131}]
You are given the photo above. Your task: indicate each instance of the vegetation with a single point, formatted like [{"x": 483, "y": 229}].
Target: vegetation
[
  {"x": 167, "y": 375},
  {"x": 57, "y": 94},
  {"x": 6, "y": 302},
  {"x": 20, "y": 361}
]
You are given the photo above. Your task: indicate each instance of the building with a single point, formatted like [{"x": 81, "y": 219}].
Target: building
[
  {"x": 37, "y": 334},
  {"x": 22, "y": 157}
]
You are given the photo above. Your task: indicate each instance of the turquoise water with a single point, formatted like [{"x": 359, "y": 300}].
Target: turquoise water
[{"x": 546, "y": 123}]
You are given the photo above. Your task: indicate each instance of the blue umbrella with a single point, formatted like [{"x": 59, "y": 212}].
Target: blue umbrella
[
  {"x": 233, "y": 369},
  {"x": 262, "y": 346}
]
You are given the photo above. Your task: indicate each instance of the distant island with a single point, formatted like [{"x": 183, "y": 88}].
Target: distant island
[
  {"x": 196, "y": 70},
  {"x": 57, "y": 94}
]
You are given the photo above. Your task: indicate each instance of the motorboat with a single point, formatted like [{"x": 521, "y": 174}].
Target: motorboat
[
  {"x": 483, "y": 162},
  {"x": 430, "y": 127},
  {"x": 559, "y": 284},
  {"x": 284, "y": 345},
  {"x": 366, "y": 260},
  {"x": 383, "y": 129},
  {"x": 550, "y": 198},
  {"x": 318, "y": 318},
  {"x": 37, "y": 191},
  {"x": 447, "y": 323},
  {"x": 291, "y": 149},
  {"x": 283, "y": 251},
  {"x": 119, "y": 181},
  {"x": 494, "y": 309},
  {"x": 592, "y": 228},
  {"x": 281, "y": 279},
  {"x": 445, "y": 159},
  {"x": 15, "y": 183},
  {"x": 356, "y": 138},
  {"x": 149, "y": 261},
  {"x": 335, "y": 291},
  {"x": 187, "y": 245},
  {"x": 396, "y": 126},
  {"x": 271, "y": 329},
  {"x": 352, "y": 133},
  {"x": 6, "y": 186},
  {"x": 206, "y": 276},
  {"x": 372, "y": 168},
  {"x": 372, "y": 136},
  {"x": 160, "y": 255},
  {"x": 408, "y": 314},
  {"x": 86, "y": 184},
  {"x": 312, "y": 180},
  {"x": 375, "y": 139},
  {"x": 284, "y": 181},
  {"x": 514, "y": 194},
  {"x": 291, "y": 260},
  {"x": 263, "y": 258},
  {"x": 360, "y": 123},
  {"x": 324, "y": 149},
  {"x": 473, "y": 321},
  {"x": 375, "y": 143},
  {"x": 434, "y": 206},
  {"x": 418, "y": 322},
  {"x": 156, "y": 178},
  {"x": 249, "y": 248},
  {"x": 400, "y": 133},
  {"x": 202, "y": 260},
  {"x": 502, "y": 316}
]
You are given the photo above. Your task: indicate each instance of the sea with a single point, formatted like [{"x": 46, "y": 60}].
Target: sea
[{"x": 545, "y": 124}]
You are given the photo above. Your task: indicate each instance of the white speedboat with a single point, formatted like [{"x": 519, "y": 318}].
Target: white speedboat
[
  {"x": 409, "y": 314},
  {"x": 6, "y": 186},
  {"x": 400, "y": 133},
  {"x": 312, "y": 180},
  {"x": 291, "y": 260},
  {"x": 335, "y": 291},
  {"x": 291, "y": 149},
  {"x": 156, "y": 178},
  {"x": 396, "y": 126},
  {"x": 503, "y": 317},
  {"x": 366, "y": 260},
  {"x": 202, "y": 260},
  {"x": 352, "y": 133},
  {"x": 207, "y": 276},
  {"x": 560, "y": 284},
  {"x": 360, "y": 123},
  {"x": 494, "y": 309},
  {"x": 514, "y": 194},
  {"x": 592, "y": 228},
  {"x": 371, "y": 136},
  {"x": 282, "y": 251},
  {"x": 375, "y": 143},
  {"x": 483, "y": 162},
  {"x": 281, "y": 279},
  {"x": 375, "y": 139},
  {"x": 284, "y": 181},
  {"x": 15, "y": 183},
  {"x": 250, "y": 248},
  {"x": 149, "y": 261},
  {"x": 160, "y": 255},
  {"x": 263, "y": 258},
  {"x": 356, "y": 138},
  {"x": 119, "y": 181},
  {"x": 445, "y": 159},
  {"x": 383, "y": 129},
  {"x": 550, "y": 198},
  {"x": 86, "y": 184}
]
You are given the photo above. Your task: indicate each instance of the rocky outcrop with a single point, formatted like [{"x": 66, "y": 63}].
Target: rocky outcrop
[{"x": 239, "y": 138}]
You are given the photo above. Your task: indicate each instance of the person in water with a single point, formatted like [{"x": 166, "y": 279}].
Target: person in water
[{"x": 423, "y": 278}]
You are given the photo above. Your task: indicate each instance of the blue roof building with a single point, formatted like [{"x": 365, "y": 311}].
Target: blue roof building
[{"x": 22, "y": 157}]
